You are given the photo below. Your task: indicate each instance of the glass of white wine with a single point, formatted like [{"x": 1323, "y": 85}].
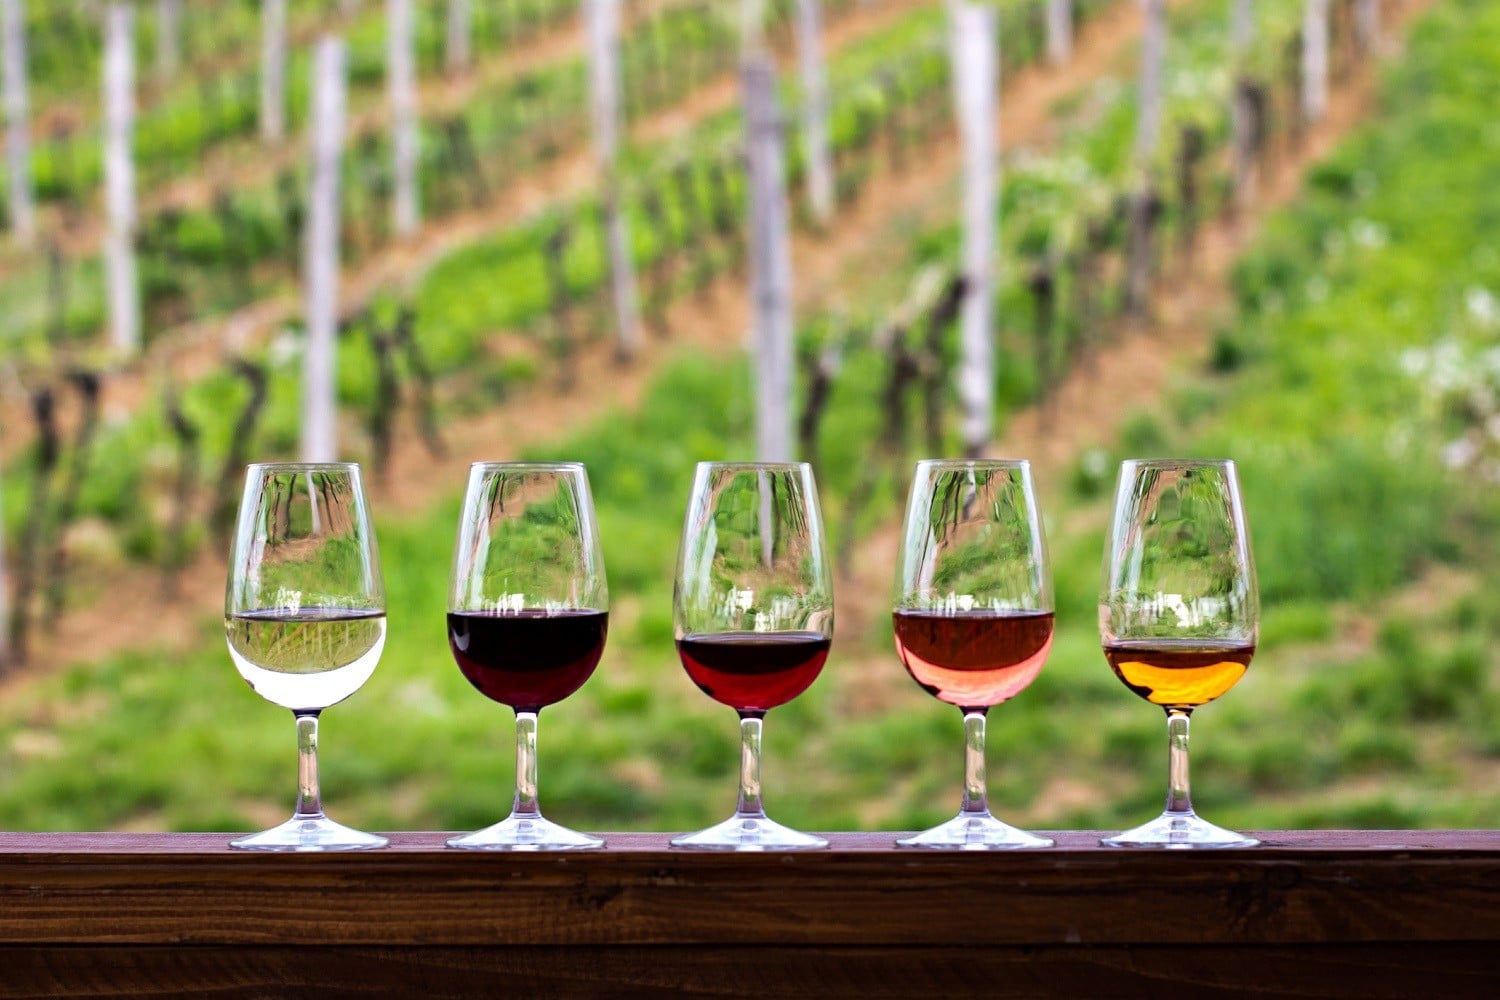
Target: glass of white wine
[{"x": 304, "y": 616}]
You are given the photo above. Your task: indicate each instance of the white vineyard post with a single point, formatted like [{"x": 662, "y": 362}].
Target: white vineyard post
[
  {"x": 17, "y": 124},
  {"x": 119, "y": 180},
  {"x": 460, "y": 27},
  {"x": 1314, "y": 60},
  {"x": 602, "y": 24},
  {"x": 273, "y": 70},
  {"x": 814, "y": 110},
  {"x": 1147, "y": 139},
  {"x": 321, "y": 267},
  {"x": 401, "y": 75},
  {"x": 168, "y": 39},
  {"x": 770, "y": 263},
  {"x": 976, "y": 70},
  {"x": 1367, "y": 24},
  {"x": 752, "y": 28},
  {"x": 1241, "y": 37},
  {"x": 1059, "y": 31}
]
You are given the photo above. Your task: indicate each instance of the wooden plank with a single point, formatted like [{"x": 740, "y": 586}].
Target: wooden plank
[
  {"x": 1353, "y": 888},
  {"x": 1373, "y": 971}
]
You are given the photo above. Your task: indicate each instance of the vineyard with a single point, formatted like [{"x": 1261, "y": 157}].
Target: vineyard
[{"x": 1266, "y": 240}]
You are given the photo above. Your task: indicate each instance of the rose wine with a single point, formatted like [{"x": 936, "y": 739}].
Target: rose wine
[
  {"x": 1179, "y": 673},
  {"x": 527, "y": 659},
  {"x": 754, "y": 671},
  {"x": 308, "y": 658},
  {"x": 973, "y": 659}
]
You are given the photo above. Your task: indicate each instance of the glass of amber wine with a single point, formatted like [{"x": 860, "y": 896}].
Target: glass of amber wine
[
  {"x": 973, "y": 615},
  {"x": 1179, "y": 613}
]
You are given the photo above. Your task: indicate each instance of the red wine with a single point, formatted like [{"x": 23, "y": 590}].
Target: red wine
[
  {"x": 754, "y": 671},
  {"x": 527, "y": 659},
  {"x": 973, "y": 659}
]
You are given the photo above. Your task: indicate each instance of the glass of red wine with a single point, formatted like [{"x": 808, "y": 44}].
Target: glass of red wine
[
  {"x": 754, "y": 617},
  {"x": 528, "y": 611},
  {"x": 973, "y": 615},
  {"x": 304, "y": 617},
  {"x": 1179, "y": 614}
]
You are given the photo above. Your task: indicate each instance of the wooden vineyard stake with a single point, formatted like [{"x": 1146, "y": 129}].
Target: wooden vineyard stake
[
  {"x": 976, "y": 79},
  {"x": 387, "y": 395},
  {"x": 602, "y": 23},
  {"x": 1041, "y": 282},
  {"x": 119, "y": 181},
  {"x": 17, "y": 123},
  {"x": 814, "y": 110},
  {"x": 273, "y": 70},
  {"x": 457, "y": 39},
  {"x": 168, "y": 39},
  {"x": 49, "y": 444},
  {"x": 1059, "y": 31},
  {"x": 1190, "y": 149},
  {"x": 321, "y": 259},
  {"x": 402, "y": 76},
  {"x": 187, "y": 435},
  {"x": 770, "y": 263},
  {"x": 240, "y": 440},
  {"x": 822, "y": 368},
  {"x": 1314, "y": 60},
  {"x": 87, "y": 385},
  {"x": 416, "y": 365},
  {"x": 1367, "y": 25}
]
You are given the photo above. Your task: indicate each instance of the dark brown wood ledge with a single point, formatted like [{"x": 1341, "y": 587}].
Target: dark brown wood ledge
[{"x": 1317, "y": 914}]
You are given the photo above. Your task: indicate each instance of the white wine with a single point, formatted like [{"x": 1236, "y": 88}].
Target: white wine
[{"x": 306, "y": 659}]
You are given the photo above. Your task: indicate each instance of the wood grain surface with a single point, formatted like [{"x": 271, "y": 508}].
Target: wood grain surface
[{"x": 1328, "y": 913}]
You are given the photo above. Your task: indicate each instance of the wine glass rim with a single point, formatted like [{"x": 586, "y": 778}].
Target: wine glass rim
[
  {"x": 309, "y": 466},
  {"x": 537, "y": 466},
  {"x": 756, "y": 466},
  {"x": 1178, "y": 463},
  {"x": 973, "y": 463}
]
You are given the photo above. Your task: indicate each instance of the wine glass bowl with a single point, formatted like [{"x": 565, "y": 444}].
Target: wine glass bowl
[
  {"x": 304, "y": 618},
  {"x": 1178, "y": 614},
  {"x": 973, "y": 615},
  {"x": 753, "y": 614},
  {"x": 528, "y": 615}
]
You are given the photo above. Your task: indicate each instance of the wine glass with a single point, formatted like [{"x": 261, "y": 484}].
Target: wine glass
[
  {"x": 753, "y": 610},
  {"x": 304, "y": 616},
  {"x": 973, "y": 615},
  {"x": 528, "y": 611},
  {"x": 1178, "y": 614}
]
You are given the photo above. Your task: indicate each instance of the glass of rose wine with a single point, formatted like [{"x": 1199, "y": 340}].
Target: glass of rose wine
[
  {"x": 528, "y": 611},
  {"x": 1178, "y": 614},
  {"x": 753, "y": 610},
  {"x": 304, "y": 616},
  {"x": 973, "y": 615}
]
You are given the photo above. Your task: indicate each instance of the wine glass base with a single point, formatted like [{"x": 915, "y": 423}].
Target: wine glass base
[
  {"x": 309, "y": 833},
  {"x": 981, "y": 832},
  {"x": 749, "y": 833},
  {"x": 1179, "y": 831},
  {"x": 526, "y": 833}
]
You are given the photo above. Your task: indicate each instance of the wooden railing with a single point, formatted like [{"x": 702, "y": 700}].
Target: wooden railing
[{"x": 1328, "y": 913}]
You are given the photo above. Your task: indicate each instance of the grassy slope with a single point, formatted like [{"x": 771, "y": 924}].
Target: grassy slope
[{"x": 1346, "y": 500}]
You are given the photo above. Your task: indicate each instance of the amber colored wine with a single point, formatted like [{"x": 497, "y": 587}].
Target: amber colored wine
[
  {"x": 973, "y": 659},
  {"x": 753, "y": 672},
  {"x": 1179, "y": 673}
]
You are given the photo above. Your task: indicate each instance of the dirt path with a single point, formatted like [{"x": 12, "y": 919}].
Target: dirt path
[
  {"x": 1135, "y": 369},
  {"x": 133, "y": 614}
]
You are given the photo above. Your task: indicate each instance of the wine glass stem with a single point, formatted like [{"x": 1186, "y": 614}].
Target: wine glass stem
[
  {"x": 976, "y": 797},
  {"x": 526, "y": 804},
  {"x": 750, "y": 804},
  {"x": 1179, "y": 796},
  {"x": 309, "y": 799}
]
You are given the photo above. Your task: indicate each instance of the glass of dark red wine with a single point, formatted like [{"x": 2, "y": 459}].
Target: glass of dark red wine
[
  {"x": 973, "y": 615},
  {"x": 304, "y": 617},
  {"x": 528, "y": 611},
  {"x": 754, "y": 617},
  {"x": 1179, "y": 612}
]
